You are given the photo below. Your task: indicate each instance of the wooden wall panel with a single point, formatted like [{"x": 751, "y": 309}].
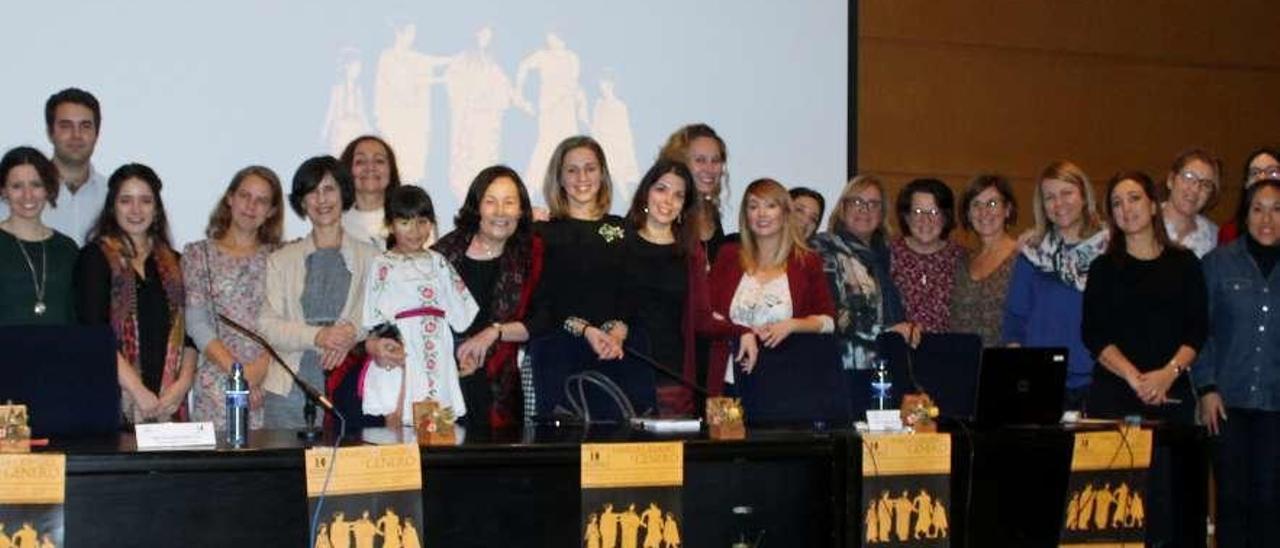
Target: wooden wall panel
[{"x": 950, "y": 89}]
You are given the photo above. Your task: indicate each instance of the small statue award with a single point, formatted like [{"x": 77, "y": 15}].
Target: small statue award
[
  {"x": 725, "y": 419},
  {"x": 433, "y": 423}
]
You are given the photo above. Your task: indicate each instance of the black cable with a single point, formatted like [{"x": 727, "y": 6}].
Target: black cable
[{"x": 333, "y": 463}]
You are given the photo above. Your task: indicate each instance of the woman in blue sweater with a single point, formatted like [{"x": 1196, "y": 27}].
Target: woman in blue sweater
[{"x": 1043, "y": 307}]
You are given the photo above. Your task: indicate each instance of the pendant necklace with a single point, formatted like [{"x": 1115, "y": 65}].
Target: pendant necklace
[{"x": 42, "y": 283}]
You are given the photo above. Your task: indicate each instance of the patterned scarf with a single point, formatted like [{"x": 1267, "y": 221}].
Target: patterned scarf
[
  {"x": 124, "y": 311},
  {"x": 1069, "y": 263},
  {"x": 519, "y": 269}
]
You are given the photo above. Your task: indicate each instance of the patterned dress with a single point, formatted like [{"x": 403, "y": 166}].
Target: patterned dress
[
  {"x": 925, "y": 283},
  {"x": 218, "y": 283},
  {"x": 424, "y": 298},
  {"x": 977, "y": 306}
]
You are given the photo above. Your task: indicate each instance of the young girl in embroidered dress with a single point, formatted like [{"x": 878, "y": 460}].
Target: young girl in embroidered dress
[{"x": 418, "y": 292}]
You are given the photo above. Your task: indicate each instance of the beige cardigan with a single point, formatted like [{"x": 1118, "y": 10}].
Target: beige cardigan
[{"x": 281, "y": 320}]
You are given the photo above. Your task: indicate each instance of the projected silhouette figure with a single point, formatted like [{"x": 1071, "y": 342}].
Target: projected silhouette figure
[
  {"x": 592, "y": 536},
  {"x": 340, "y": 531},
  {"x": 923, "y": 507},
  {"x": 652, "y": 518},
  {"x": 1137, "y": 511},
  {"x": 410, "y": 537},
  {"x": 611, "y": 127},
  {"x": 479, "y": 95},
  {"x": 671, "y": 532},
  {"x": 365, "y": 531},
  {"x": 389, "y": 528},
  {"x": 941, "y": 526},
  {"x": 561, "y": 101},
  {"x": 608, "y": 527},
  {"x": 402, "y": 101},
  {"x": 345, "y": 120},
  {"x": 630, "y": 523},
  {"x": 1121, "y": 513}
]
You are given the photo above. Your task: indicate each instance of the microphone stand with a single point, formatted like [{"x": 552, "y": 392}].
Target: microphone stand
[
  {"x": 652, "y": 363},
  {"x": 314, "y": 397}
]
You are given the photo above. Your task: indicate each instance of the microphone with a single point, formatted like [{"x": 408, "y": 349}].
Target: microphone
[
  {"x": 648, "y": 360},
  {"x": 312, "y": 394}
]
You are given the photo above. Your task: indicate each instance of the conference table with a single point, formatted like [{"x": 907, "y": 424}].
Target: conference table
[{"x": 788, "y": 486}]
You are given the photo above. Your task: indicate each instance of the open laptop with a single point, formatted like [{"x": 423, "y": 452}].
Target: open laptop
[
  {"x": 65, "y": 375},
  {"x": 1021, "y": 386}
]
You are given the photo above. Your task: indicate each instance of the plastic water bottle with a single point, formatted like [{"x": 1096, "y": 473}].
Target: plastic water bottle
[
  {"x": 237, "y": 407},
  {"x": 881, "y": 385}
]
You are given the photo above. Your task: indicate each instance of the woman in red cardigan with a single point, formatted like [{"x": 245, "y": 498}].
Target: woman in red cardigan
[{"x": 768, "y": 286}]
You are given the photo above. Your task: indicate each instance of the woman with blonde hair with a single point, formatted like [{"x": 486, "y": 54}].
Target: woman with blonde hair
[
  {"x": 769, "y": 286},
  {"x": 226, "y": 274},
  {"x": 1043, "y": 306},
  {"x": 577, "y": 316},
  {"x": 855, "y": 255},
  {"x": 705, "y": 154}
]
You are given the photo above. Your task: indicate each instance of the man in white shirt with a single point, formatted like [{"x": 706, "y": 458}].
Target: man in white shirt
[{"x": 72, "y": 118}]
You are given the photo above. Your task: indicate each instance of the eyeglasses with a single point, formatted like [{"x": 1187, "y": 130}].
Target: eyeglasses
[
  {"x": 1193, "y": 178},
  {"x": 865, "y": 205},
  {"x": 921, "y": 213},
  {"x": 1269, "y": 172},
  {"x": 989, "y": 205}
]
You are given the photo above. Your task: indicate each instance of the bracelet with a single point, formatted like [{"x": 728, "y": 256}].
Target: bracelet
[
  {"x": 1177, "y": 368},
  {"x": 498, "y": 326},
  {"x": 575, "y": 325},
  {"x": 609, "y": 325}
]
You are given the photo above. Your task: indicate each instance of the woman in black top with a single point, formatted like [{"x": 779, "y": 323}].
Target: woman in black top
[
  {"x": 35, "y": 260},
  {"x": 1145, "y": 311},
  {"x": 128, "y": 276},
  {"x": 666, "y": 285},
  {"x": 578, "y": 307},
  {"x": 495, "y": 251},
  {"x": 704, "y": 153}
]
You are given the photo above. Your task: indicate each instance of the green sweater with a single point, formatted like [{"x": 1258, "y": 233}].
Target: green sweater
[{"x": 17, "y": 288}]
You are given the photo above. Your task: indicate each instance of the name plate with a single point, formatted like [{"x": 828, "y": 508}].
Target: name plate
[
  {"x": 885, "y": 420},
  {"x": 175, "y": 435}
]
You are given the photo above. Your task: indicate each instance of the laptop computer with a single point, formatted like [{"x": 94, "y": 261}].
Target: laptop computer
[
  {"x": 1021, "y": 386},
  {"x": 66, "y": 376}
]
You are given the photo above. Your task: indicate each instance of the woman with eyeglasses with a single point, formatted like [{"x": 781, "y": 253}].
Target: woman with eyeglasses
[
  {"x": 923, "y": 261},
  {"x": 1192, "y": 188},
  {"x": 1262, "y": 163},
  {"x": 987, "y": 209},
  {"x": 1043, "y": 305},
  {"x": 855, "y": 256}
]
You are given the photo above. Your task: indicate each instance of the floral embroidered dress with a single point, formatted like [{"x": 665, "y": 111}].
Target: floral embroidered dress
[
  {"x": 925, "y": 283},
  {"x": 425, "y": 299},
  {"x": 218, "y": 283}
]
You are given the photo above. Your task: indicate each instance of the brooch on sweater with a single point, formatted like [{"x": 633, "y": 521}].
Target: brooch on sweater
[{"x": 610, "y": 232}]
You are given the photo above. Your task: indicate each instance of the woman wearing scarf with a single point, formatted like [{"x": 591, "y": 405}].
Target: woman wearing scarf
[
  {"x": 129, "y": 276},
  {"x": 1043, "y": 307}
]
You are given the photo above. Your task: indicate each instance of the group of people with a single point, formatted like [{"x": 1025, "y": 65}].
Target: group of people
[{"x": 373, "y": 303}]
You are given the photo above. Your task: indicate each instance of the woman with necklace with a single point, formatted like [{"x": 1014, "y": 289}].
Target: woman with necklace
[
  {"x": 372, "y": 164},
  {"x": 577, "y": 316},
  {"x": 313, "y": 287},
  {"x": 1192, "y": 187},
  {"x": 224, "y": 275},
  {"x": 129, "y": 277},
  {"x": 923, "y": 261},
  {"x": 36, "y": 276},
  {"x": 494, "y": 249},
  {"x": 987, "y": 208},
  {"x": 415, "y": 294},
  {"x": 1042, "y": 307}
]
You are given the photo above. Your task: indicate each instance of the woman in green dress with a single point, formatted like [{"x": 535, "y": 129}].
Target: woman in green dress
[{"x": 36, "y": 262}]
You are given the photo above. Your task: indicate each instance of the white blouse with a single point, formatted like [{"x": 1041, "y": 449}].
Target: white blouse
[{"x": 755, "y": 304}]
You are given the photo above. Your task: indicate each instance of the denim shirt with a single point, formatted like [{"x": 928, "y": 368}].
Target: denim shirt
[{"x": 1242, "y": 354}]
